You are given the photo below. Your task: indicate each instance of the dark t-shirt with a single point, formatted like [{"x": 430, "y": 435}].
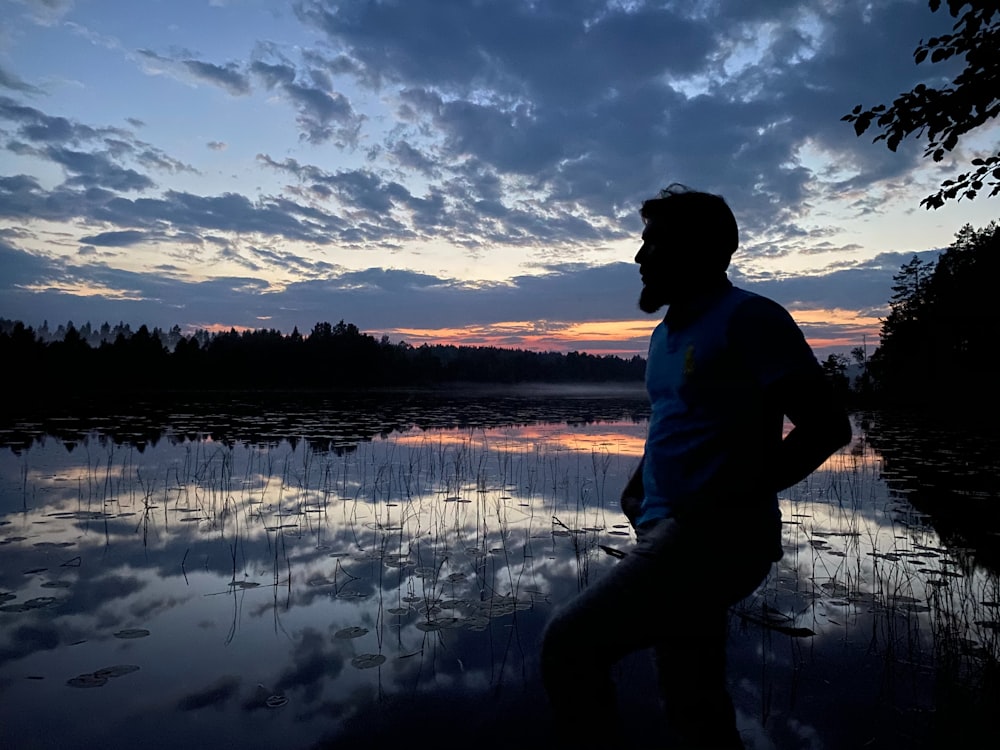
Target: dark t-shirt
[{"x": 712, "y": 433}]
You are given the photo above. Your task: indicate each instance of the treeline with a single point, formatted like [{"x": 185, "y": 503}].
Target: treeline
[
  {"x": 106, "y": 333},
  {"x": 329, "y": 357},
  {"x": 937, "y": 344}
]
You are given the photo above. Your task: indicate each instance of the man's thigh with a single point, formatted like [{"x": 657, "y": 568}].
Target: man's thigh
[{"x": 626, "y": 608}]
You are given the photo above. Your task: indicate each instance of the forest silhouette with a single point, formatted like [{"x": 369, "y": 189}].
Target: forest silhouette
[{"x": 329, "y": 357}]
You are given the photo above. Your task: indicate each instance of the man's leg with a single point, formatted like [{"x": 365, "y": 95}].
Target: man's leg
[
  {"x": 691, "y": 659},
  {"x": 692, "y": 670},
  {"x": 620, "y": 613}
]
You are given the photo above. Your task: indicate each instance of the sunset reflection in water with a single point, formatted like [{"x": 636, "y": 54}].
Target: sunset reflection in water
[{"x": 283, "y": 594}]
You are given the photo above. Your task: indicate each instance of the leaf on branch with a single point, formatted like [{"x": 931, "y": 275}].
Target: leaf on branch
[{"x": 945, "y": 114}]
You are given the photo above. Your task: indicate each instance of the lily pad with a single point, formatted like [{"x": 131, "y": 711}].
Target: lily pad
[
  {"x": 437, "y": 624},
  {"x": 40, "y": 601},
  {"x": 352, "y": 632},
  {"x": 275, "y": 701},
  {"x": 116, "y": 671},
  {"x": 367, "y": 661},
  {"x": 86, "y": 681},
  {"x": 129, "y": 633}
]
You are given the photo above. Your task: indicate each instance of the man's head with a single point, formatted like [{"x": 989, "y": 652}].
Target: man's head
[{"x": 687, "y": 242}]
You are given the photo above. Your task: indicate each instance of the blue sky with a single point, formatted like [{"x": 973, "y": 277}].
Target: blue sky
[{"x": 452, "y": 170}]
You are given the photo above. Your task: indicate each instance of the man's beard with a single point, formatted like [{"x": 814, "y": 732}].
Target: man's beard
[{"x": 650, "y": 301}]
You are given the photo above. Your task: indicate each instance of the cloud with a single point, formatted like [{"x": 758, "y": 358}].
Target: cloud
[
  {"x": 21, "y": 197},
  {"x": 9, "y": 80},
  {"x": 116, "y": 239},
  {"x": 323, "y": 114},
  {"x": 90, "y": 155},
  {"x": 96, "y": 170},
  {"x": 642, "y": 94},
  {"x": 452, "y": 209},
  {"x": 47, "y": 12},
  {"x": 36, "y": 126},
  {"x": 21, "y": 268},
  {"x": 229, "y": 77}
]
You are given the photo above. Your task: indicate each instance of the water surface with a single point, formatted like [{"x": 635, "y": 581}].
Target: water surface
[{"x": 320, "y": 578}]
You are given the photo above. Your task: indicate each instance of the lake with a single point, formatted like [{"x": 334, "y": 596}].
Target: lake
[{"x": 377, "y": 569}]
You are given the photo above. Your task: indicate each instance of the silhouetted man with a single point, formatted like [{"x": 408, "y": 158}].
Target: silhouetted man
[{"x": 725, "y": 367}]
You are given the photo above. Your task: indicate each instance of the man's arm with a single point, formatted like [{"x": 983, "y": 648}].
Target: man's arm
[
  {"x": 820, "y": 426},
  {"x": 774, "y": 348}
]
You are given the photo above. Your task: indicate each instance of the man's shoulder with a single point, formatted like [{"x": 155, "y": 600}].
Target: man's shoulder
[
  {"x": 743, "y": 295},
  {"x": 744, "y": 303},
  {"x": 753, "y": 316}
]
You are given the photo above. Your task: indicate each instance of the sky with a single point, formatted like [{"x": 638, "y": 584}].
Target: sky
[{"x": 460, "y": 171}]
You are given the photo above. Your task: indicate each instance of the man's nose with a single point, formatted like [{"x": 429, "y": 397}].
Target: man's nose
[{"x": 641, "y": 255}]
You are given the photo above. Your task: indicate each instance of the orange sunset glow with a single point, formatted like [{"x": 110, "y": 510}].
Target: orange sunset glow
[
  {"x": 615, "y": 438},
  {"x": 621, "y": 337},
  {"x": 824, "y": 329},
  {"x": 838, "y": 328}
]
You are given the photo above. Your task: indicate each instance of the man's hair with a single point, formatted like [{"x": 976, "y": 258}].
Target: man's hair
[{"x": 698, "y": 219}]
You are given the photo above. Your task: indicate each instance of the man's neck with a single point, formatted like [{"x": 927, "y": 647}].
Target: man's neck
[{"x": 696, "y": 297}]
